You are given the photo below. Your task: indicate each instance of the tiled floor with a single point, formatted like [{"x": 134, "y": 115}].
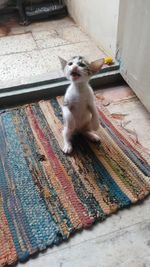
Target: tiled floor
[
  {"x": 123, "y": 240},
  {"x": 30, "y": 51}
]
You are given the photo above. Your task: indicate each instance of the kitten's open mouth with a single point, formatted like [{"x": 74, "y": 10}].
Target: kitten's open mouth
[{"x": 75, "y": 74}]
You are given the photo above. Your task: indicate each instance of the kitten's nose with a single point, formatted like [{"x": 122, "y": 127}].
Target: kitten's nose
[{"x": 75, "y": 68}]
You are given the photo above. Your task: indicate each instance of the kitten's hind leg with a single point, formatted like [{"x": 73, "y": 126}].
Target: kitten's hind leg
[
  {"x": 90, "y": 134},
  {"x": 69, "y": 127}
]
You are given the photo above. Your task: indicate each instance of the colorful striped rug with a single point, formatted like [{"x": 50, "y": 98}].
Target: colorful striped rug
[{"x": 45, "y": 195}]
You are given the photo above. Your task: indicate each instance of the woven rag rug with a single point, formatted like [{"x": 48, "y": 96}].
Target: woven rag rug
[{"x": 45, "y": 195}]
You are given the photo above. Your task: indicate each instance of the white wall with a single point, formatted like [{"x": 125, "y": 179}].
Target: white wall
[
  {"x": 134, "y": 46},
  {"x": 99, "y": 18}
]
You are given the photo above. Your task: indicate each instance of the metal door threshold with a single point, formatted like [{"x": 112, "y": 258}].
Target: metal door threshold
[{"x": 26, "y": 93}]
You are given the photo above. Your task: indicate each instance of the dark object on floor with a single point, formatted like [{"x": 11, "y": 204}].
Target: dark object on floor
[
  {"x": 28, "y": 11},
  {"x": 4, "y": 30},
  {"x": 41, "y": 157},
  {"x": 45, "y": 10}
]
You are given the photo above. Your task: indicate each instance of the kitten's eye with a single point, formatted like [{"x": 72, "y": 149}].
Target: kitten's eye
[
  {"x": 70, "y": 63},
  {"x": 81, "y": 64}
]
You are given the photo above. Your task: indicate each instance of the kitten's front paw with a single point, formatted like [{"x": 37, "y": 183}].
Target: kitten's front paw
[{"x": 67, "y": 148}]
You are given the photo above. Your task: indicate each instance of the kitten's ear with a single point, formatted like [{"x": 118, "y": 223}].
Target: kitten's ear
[
  {"x": 63, "y": 62},
  {"x": 96, "y": 65}
]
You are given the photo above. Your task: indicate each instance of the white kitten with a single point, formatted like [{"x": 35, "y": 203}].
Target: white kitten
[{"x": 79, "y": 110}]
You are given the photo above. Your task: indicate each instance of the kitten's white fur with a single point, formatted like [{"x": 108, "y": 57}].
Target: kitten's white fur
[{"x": 79, "y": 110}]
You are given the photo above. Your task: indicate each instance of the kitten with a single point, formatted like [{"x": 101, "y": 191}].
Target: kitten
[{"x": 79, "y": 110}]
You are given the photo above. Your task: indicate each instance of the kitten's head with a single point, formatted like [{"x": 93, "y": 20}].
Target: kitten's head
[{"x": 78, "y": 69}]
